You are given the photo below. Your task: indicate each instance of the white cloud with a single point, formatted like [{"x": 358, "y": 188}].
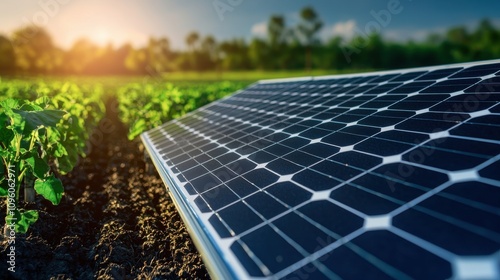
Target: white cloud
[
  {"x": 344, "y": 29},
  {"x": 260, "y": 29}
]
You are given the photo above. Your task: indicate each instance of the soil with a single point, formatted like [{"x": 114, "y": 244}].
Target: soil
[{"x": 115, "y": 221}]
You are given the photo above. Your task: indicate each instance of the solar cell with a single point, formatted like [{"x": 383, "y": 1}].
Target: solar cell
[{"x": 376, "y": 175}]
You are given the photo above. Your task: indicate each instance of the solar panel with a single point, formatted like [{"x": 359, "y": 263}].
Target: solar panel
[{"x": 376, "y": 175}]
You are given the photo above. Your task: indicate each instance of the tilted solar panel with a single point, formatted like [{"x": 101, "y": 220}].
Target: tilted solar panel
[{"x": 376, "y": 175}]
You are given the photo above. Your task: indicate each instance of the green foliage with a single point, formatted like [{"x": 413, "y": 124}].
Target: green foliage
[
  {"x": 85, "y": 110},
  {"x": 144, "y": 106},
  {"x": 26, "y": 125},
  {"x": 31, "y": 50},
  {"x": 51, "y": 189},
  {"x": 83, "y": 103},
  {"x": 34, "y": 50},
  {"x": 24, "y": 219},
  {"x": 310, "y": 25},
  {"x": 7, "y": 55},
  {"x": 44, "y": 132}
]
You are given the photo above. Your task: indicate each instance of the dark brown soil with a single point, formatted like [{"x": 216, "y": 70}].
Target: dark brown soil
[{"x": 115, "y": 221}]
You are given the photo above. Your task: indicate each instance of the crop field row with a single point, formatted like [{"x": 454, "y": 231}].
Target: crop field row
[{"x": 48, "y": 125}]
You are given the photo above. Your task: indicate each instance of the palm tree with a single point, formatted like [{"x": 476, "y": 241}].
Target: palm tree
[
  {"x": 308, "y": 28},
  {"x": 209, "y": 46},
  {"x": 276, "y": 30},
  {"x": 192, "y": 40},
  {"x": 210, "y": 53},
  {"x": 278, "y": 36}
]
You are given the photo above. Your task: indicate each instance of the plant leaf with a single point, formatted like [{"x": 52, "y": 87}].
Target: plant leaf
[
  {"x": 36, "y": 119},
  {"x": 6, "y": 134},
  {"x": 64, "y": 165},
  {"x": 23, "y": 220},
  {"x": 3, "y": 183},
  {"x": 9, "y": 104},
  {"x": 30, "y": 107},
  {"x": 43, "y": 101},
  {"x": 50, "y": 188},
  {"x": 53, "y": 135},
  {"x": 18, "y": 122},
  {"x": 60, "y": 151},
  {"x": 137, "y": 128},
  {"x": 4, "y": 179},
  {"x": 39, "y": 166},
  {"x": 3, "y": 187}
]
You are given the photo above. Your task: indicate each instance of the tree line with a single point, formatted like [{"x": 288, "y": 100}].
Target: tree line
[{"x": 31, "y": 50}]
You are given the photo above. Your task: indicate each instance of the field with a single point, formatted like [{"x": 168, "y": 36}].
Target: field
[
  {"x": 97, "y": 212},
  {"x": 248, "y": 76}
]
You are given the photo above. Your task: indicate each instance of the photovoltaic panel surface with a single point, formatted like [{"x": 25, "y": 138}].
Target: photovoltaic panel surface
[{"x": 376, "y": 175}]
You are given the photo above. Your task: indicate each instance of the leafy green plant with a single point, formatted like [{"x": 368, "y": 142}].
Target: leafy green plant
[
  {"x": 26, "y": 129},
  {"x": 144, "y": 106},
  {"x": 69, "y": 141}
]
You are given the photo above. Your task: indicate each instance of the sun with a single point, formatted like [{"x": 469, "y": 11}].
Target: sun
[{"x": 101, "y": 37}]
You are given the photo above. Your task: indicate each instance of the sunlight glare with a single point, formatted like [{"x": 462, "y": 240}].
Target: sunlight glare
[{"x": 101, "y": 37}]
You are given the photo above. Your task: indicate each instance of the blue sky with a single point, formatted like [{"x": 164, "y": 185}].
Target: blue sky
[{"x": 133, "y": 21}]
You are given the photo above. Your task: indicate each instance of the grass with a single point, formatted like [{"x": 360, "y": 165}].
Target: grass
[{"x": 247, "y": 76}]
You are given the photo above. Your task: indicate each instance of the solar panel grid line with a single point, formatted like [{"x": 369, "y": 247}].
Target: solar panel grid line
[
  {"x": 468, "y": 226},
  {"x": 472, "y": 203},
  {"x": 438, "y": 251},
  {"x": 221, "y": 145},
  {"x": 420, "y": 120},
  {"x": 323, "y": 251}
]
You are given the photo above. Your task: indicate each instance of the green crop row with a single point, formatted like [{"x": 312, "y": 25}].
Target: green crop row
[
  {"x": 45, "y": 127},
  {"x": 145, "y": 106},
  {"x": 44, "y": 130}
]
